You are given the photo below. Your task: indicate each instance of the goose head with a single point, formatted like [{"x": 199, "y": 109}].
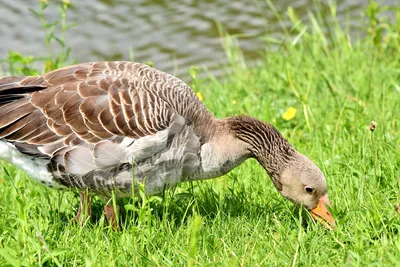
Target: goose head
[
  {"x": 303, "y": 183},
  {"x": 294, "y": 175}
]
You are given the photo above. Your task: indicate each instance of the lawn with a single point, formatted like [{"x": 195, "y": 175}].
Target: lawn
[{"x": 338, "y": 84}]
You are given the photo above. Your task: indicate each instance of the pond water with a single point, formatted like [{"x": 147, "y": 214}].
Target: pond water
[{"x": 174, "y": 34}]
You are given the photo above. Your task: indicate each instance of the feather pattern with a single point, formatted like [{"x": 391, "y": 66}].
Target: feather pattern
[
  {"x": 97, "y": 125},
  {"x": 90, "y": 119}
]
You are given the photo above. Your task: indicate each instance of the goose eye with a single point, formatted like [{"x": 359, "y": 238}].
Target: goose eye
[{"x": 309, "y": 189}]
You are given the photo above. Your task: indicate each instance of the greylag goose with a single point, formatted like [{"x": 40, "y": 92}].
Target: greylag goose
[{"x": 86, "y": 126}]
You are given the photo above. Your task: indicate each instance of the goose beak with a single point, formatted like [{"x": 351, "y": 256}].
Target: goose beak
[{"x": 321, "y": 212}]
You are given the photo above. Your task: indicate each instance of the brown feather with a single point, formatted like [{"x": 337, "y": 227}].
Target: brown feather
[
  {"x": 42, "y": 136},
  {"x": 16, "y": 126},
  {"x": 86, "y": 90},
  {"x": 14, "y": 111},
  {"x": 107, "y": 120},
  {"x": 28, "y": 131},
  {"x": 42, "y": 98},
  {"x": 92, "y": 106},
  {"x": 59, "y": 129}
]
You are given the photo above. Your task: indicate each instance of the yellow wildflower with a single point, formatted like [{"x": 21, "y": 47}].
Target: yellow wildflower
[
  {"x": 49, "y": 65},
  {"x": 289, "y": 114},
  {"x": 149, "y": 63},
  {"x": 234, "y": 102},
  {"x": 200, "y": 96}
]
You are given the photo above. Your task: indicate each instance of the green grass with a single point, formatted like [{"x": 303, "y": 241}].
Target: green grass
[{"x": 337, "y": 87}]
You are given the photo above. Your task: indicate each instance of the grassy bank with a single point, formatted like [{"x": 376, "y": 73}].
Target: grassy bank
[{"x": 337, "y": 86}]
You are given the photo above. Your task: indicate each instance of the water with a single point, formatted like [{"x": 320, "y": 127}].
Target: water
[{"x": 173, "y": 34}]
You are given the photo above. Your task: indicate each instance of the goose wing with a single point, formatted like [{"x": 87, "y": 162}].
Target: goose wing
[{"x": 91, "y": 102}]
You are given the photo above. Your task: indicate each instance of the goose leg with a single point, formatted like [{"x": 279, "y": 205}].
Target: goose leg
[
  {"x": 111, "y": 215},
  {"x": 84, "y": 210}
]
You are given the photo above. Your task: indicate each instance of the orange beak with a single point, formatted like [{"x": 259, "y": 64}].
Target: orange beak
[{"x": 320, "y": 212}]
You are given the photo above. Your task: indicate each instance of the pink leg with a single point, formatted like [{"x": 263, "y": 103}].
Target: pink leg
[
  {"x": 84, "y": 210},
  {"x": 111, "y": 215}
]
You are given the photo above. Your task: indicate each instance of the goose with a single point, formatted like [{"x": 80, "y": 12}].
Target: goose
[{"x": 104, "y": 127}]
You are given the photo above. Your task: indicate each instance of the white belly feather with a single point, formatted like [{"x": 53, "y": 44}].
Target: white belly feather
[{"x": 34, "y": 167}]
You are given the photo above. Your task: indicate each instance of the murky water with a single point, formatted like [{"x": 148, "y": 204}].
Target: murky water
[{"x": 174, "y": 34}]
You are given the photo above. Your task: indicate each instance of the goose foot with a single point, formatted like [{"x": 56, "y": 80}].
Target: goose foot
[
  {"x": 84, "y": 210},
  {"x": 112, "y": 215}
]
